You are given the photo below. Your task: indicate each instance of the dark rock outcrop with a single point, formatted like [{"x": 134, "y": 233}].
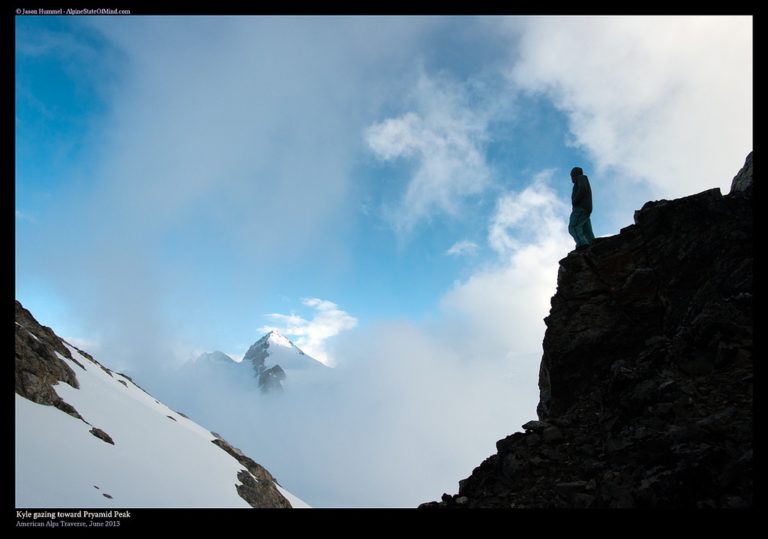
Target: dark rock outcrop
[
  {"x": 271, "y": 379},
  {"x": 257, "y": 354},
  {"x": 257, "y": 484},
  {"x": 38, "y": 368},
  {"x": 101, "y": 435},
  {"x": 742, "y": 182},
  {"x": 646, "y": 376}
]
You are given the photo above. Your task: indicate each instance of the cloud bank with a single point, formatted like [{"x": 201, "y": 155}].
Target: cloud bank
[
  {"x": 409, "y": 408},
  {"x": 501, "y": 306},
  {"x": 661, "y": 100}
]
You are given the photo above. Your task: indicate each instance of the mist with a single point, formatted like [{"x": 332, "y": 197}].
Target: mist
[
  {"x": 398, "y": 421},
  {"x": 409, "y": 409}
]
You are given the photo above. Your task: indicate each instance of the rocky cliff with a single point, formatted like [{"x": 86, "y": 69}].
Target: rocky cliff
[{"x": 646, "y": 376}]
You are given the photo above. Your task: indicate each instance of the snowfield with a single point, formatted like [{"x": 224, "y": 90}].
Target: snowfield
[{"x": 159, "y": 457}]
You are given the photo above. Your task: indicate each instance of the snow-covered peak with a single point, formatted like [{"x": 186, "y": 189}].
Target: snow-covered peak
[
  {"x": 277, "y": 338},
  {"x": 276, "y": 349},
  {"x": 272, "y": 360}
]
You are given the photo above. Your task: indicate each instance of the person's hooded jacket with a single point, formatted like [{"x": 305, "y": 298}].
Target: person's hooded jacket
[{"x": 581, "y": 196}]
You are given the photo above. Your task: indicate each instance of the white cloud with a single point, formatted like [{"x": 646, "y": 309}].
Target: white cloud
[
  {"x": 311, "y": 335},
  {"x": 664, "y": 100},
  {"x": 444, "y": 137},
  {"x": 503, "y": 305},
  {"x": 289, "y": 320},
  {"x": 463, "y": 248},
  {"x": 530, "y": 217}
]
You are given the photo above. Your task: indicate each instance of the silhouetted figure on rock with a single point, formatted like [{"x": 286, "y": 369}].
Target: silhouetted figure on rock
[{"x": 579, "y": 226}]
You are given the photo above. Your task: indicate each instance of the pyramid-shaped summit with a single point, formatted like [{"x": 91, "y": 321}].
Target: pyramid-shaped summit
[{"x": 273, "y": 357}]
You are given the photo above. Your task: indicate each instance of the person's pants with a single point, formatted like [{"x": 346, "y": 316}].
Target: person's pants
[{"x": 580, "y": 227}]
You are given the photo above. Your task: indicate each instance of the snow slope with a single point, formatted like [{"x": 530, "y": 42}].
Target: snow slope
[{"x": 159, "y": 457}]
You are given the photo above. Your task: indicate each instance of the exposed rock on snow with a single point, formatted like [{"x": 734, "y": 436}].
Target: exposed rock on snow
[
  {"x": 100, "y": 434},
  {"x": 37, "y": 366},
  {"x": 257, "y": 484}
]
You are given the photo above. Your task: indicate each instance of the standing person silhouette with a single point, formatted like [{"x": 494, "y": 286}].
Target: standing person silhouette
[{"x": 579, "y": 225}]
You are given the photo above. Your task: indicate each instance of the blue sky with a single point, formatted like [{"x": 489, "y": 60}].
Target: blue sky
[
  {"x": 183, "y": 183},
  {"x": 231, "y": 161}
]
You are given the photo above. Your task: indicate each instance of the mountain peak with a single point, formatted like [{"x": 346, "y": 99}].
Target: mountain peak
[
  {"x": 275, "y": 337},
  {"x": 274, "y": 348}
]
